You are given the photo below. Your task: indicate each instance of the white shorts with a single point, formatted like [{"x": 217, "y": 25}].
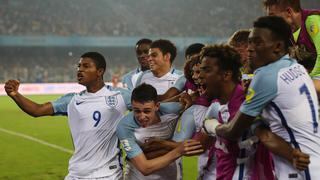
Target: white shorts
[{"x": 116, "y": 176}]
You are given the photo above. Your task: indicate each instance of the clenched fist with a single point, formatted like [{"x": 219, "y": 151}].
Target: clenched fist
[{"x": 11, "y": 87}]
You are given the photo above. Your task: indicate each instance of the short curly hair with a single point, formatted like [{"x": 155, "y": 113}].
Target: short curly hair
[
  {"x": 188, "y": 65},
  {"x": 228, "y": 58}
]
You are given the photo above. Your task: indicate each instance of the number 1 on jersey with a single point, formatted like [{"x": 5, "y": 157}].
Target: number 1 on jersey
[
  {"x": 96, "y": 117},
  {"x": 304, "y": 89}
]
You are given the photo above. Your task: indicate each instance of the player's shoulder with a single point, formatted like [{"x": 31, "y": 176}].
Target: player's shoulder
[
  {"x": 128, "y": 119},
  {"x": 130, "y": 73},
  {"x": 124, "y": 93},
  {"x": 272, "y": 69},
  {"x": 118, "y": 90},
  {"x": 177, "y": 71},
  {"x": 127, "y": 123}
]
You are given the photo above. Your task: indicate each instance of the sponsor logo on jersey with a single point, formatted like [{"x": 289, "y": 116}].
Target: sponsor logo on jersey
[
  {"x": 79, "y": 102},
  {"x": 125, "y": 144},
  {"x": 111, "y": 101}
]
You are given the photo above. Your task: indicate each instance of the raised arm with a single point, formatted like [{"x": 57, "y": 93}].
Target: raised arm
[{"x": 33, "y": 109}]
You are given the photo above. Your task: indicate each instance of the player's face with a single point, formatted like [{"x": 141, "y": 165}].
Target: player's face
[
  {"x": 88, "y": 73},
  {"x": 260, "y": 47},
  {"x": 210, "y": 77},
  {"x": 196, "y": 73},
  {"x": 142, "y": 53},
  {"x": 243, "y": 51},
  {"x": 156, "y": 59},
  {"x": 145, "y": 113},
  {"x": 277, "y": 11}
]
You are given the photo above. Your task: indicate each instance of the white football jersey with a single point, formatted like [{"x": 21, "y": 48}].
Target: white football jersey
[
  {"x": 285, "y": 95},
  {"x": 162, "y": 130},
  {"x": 131, "y": 136},
  {"x": 161, "y": 84},
  {"x": 93, "y": 118}
]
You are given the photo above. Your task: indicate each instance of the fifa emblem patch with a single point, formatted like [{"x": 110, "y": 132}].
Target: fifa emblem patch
[
  {"x": 250, "y": 95},
  {"x": 111, "y": 101}
]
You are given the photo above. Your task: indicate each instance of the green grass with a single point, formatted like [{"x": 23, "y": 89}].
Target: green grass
[{"x": 24, "y": 159}]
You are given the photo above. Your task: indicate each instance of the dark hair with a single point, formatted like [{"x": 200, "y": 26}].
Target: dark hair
[
  {"x": 144, "y": 93},
  {"x": 144, "y": 41},
  {"x": 165, "y": 47},
  {"x": 228, "y": 58},
  {"x": 278, "y": 26},
  {"x": 97, "y": 58},
  {"x": 188, "y": 65},
  {"x": 239, "y": 37},
  {"x": 282, "y": 4},
  {"x": 193, "y": 49}
]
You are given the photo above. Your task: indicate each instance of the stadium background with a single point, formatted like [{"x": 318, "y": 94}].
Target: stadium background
[{"x": 41, "y": 41}]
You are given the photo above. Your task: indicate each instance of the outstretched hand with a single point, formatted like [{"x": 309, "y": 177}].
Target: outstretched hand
[
  {"x": 11, "y": 87},
  {"x": 300, "y": 160},
  {"x": 190, "y": 148}
]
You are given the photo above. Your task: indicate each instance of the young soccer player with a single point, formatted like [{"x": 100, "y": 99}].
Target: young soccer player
[
  {"x": 278, "y": 79},
  {"x": 93, "y": 116}
]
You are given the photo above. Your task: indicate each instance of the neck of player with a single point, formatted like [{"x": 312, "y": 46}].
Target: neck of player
[
  {"x": 296, "y": 23},
  {"x": 227, "y": 92},
  {"x": 96, "y": 86}
]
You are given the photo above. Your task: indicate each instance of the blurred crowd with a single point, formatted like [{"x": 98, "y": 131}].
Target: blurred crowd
[
  {"x": 125, "y": 17},
  {"x": 179, "y": 18},
  {"x": 49, "y": 65}
]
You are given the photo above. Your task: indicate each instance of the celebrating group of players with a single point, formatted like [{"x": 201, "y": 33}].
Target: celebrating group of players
[{"x": 248, "y": 108}]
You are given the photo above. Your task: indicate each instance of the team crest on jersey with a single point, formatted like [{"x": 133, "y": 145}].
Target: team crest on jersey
[{"x": 111, "y": 101}]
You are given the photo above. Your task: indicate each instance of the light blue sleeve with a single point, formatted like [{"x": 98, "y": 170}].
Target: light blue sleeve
[
  {"x": 126, "y": 95},
  {"x": 213, "y": 111},
  {"x": 186, "y": 126},
  {"x": 180, "y": 83},
  {"x": 125, "y": 132},
  {"x": 262, "y": 90},
  {"x": 126, "y": 80},
  {"x": 170, "y": 107},
  {"x": 60, "y": 106},
  {"x": 138, "y": 82}
]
